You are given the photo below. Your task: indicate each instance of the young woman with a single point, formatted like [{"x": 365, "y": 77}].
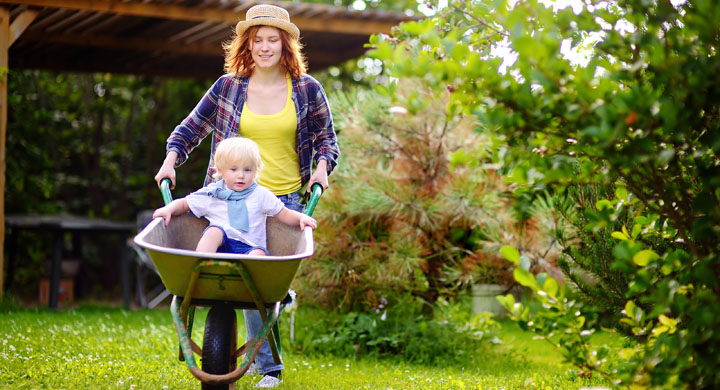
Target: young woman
[{"x": 266, "y": 96}]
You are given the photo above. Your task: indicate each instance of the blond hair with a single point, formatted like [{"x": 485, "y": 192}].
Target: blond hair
[
  {"x": 238, "y": 58},
  {"x": 236, "y": 150}
]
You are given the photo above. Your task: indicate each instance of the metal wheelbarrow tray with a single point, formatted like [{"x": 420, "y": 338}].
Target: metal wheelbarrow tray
[
  {"x": 171, "y": 249},
  {"x": 224, "y": 282}
]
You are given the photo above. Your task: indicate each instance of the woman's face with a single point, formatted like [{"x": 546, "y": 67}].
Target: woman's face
[{"x": 266, "y": 47}]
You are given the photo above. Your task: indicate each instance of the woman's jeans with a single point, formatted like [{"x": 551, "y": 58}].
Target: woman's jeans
[{"x": 253, "y": 322}]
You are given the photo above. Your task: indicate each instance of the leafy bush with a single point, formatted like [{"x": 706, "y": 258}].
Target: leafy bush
[
  {"x": 453, "y": 337},
  {"x": 90, "y": 145},
  {"x": 406, "y": 208},
  {"x": 639, "y": 113},
  {"x": 417, "y": 206}
]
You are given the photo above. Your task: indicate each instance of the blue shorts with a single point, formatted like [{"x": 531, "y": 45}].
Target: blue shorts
[{"x": 229, "y": 245}]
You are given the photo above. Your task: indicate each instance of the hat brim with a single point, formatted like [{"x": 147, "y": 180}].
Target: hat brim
[{"x": 288, "y": 27}]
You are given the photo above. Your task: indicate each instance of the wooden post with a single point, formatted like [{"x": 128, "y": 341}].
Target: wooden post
[
  {"x": 8, "y": 34},
  {"x": 4, "y": 51}
]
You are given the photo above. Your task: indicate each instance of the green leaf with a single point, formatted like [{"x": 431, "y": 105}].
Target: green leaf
[
  {"x": 460, "y": 157},
  {"x": 630, "y": 309},
  {"x": 540, "y": 278},
  {"x": 621, "y": 193},
  {"x": 507, "y": 301},
  {"x": 619, "y": 236},
  {"x": 414, "y": 28},
  {"x": 459, "y": 52},
  {"x": 644, "y": 257},
  {"x": 604, "y": 204},
  {"x": 525, "y": 278},
  {"x": 551, "y": 287},
  {"x": 511, "y": 254}
]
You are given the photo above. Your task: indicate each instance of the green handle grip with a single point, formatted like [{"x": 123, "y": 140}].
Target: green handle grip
[
  {"x": 317, "y": 190},
  {"x": 165, "y": 190}
]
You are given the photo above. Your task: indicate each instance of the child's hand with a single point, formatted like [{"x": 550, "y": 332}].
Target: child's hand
[
  {"x": 306, "y": 220},
  {"x": 163, "y": 212},
  {"x": 293, "y": 218}
]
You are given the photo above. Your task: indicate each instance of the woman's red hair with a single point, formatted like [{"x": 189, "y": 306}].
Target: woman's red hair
[{"x": 238, "y": 58}]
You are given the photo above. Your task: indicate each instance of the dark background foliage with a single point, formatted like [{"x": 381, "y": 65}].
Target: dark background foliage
[{"x": 90, "y": 145}]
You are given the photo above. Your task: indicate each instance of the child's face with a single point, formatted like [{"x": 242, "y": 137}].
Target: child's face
[{"x": 239, "y": 175}]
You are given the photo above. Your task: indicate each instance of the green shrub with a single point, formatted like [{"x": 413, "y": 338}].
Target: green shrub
[
  {"x": 406, "y": 206},
  {"x": 400, "y": 331},
  {"x": 641, "y": 115}
]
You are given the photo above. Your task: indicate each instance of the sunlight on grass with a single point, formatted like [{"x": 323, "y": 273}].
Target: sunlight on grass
[{"x": 118, "y": 349}]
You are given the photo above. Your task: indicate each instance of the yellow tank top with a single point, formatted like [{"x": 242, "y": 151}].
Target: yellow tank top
[{"x": 275, "y": 135}]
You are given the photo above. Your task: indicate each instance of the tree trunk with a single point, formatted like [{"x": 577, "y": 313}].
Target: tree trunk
[{"x": 431, "y": 295}]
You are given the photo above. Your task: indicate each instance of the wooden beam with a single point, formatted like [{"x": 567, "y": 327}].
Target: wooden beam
[
  {"x": 20, "y": 23},
  {"x": 342, "y": 25},
  {"x": 4, "y": 49},
  {"x": 214, "y": 50},
  {"x": 8, "y": 34}
]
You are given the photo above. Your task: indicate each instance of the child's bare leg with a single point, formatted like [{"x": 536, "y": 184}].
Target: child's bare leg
[
  {"x": 257, "y": 252},
  {"x": 210, "y": 240}
]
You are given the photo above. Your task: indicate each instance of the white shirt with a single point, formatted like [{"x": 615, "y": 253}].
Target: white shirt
[{"x": 260, "y": 204}]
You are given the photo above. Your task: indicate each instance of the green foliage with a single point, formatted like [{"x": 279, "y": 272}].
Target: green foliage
[
  {"x": 400, "y": 331},
  {"x": 636, "y": 120},
  {"x": 588, "y": 252},
  {"x": 560, "y": 320},
  {"x": 90, "y": 145},
  {"x": 405, "y": 222}
]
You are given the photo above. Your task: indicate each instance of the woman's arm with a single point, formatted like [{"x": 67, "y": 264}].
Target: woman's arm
[
  {"x": 197, "y": 125},
  {"x": 320, "y": 175},
  {"x": 168, "y": 169},
  {"x": 321, "y": 126}
]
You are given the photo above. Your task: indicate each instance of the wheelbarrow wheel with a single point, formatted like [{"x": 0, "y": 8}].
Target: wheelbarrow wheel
[{"x": 219, "y": 343}]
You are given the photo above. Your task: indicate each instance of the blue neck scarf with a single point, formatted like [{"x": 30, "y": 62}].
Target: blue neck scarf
[{"x": 237, "y": 210}]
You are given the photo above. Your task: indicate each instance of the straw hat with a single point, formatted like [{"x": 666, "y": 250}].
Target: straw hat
[{"x": 268, "y": 15}]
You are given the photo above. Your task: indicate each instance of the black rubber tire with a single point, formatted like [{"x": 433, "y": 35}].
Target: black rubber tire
[{"x": 219, "y": 343}]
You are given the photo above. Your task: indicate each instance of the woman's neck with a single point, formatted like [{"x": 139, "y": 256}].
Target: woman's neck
[{"x": 271, "y": 76}]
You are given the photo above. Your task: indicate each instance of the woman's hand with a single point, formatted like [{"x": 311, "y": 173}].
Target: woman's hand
[
  {"x": 319, "y": 176},
  {"x": 167, "y": 170}
]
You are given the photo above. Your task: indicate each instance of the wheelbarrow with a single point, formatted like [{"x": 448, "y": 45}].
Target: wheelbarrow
[{"x": 225, "y": 282}]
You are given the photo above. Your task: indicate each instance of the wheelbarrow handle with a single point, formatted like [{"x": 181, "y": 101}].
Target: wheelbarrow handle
[
  {"x": 165, "y": 190},
  {"x": 317, "y": 190}
]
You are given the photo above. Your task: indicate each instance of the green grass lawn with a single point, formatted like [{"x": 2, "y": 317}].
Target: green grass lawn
[{"x": 110, "y": 348}]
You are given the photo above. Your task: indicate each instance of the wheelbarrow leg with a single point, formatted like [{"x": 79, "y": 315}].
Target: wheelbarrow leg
[
  {"x": 189, "y": 322},
  {"x": 276, "y": 335},
  {"x": 271, "y": 337}
]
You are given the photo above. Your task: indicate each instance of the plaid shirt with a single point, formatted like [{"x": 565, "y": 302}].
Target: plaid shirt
[{"x": 220, "y": 109}]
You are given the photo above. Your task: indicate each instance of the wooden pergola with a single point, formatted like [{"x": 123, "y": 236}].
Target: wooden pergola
[{"x": 169, "y": 38}]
